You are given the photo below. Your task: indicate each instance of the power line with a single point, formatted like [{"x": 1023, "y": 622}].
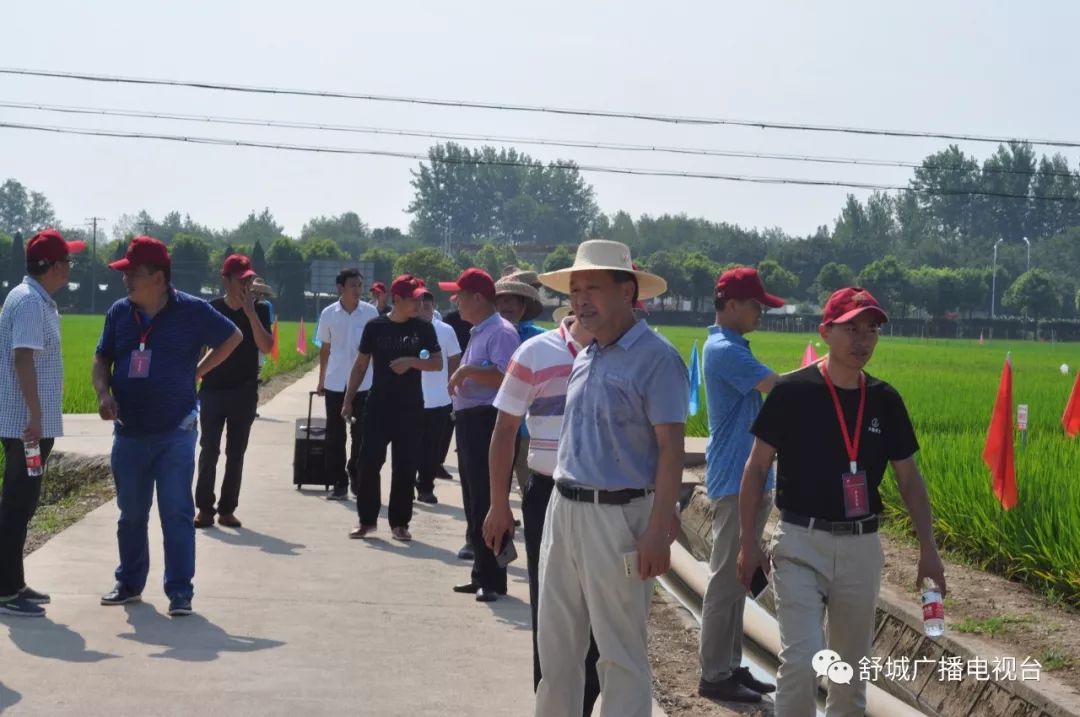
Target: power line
[
  {"x": 552, "y": 165},
  {"x": 467, "y": 104},
  {"x": 470, "y": 137}
]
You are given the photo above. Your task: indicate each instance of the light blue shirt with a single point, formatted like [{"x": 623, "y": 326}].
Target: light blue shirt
[
  {"x": 731, "y": 373},
  {"x": 616, "y": 395}
]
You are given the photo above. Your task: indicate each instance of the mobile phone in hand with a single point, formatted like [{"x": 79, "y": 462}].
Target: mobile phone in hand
[
  {"x": 508, "y": 554},
  {"x": 758, "y": 583}
]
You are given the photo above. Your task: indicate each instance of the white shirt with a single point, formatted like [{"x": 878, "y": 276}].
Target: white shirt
[
  {"x": 342, "y": 331},
  {"x": 436, "y": 394},
  {"x": 30, "y": 320}
]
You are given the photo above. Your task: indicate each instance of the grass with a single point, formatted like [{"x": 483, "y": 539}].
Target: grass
[
  {"x": 992, "y": 625},
  {"x": 949, "y": 387},
  {"x": 1054, "y": 658}
]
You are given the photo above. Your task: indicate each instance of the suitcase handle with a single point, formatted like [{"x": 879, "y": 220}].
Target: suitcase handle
[{"x": 307, "y": 453}]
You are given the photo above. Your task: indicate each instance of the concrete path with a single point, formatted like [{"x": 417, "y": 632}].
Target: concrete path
[{"x": 291, "y": 618}]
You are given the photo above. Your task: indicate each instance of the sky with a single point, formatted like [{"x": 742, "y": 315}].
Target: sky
[{"x": 994, "y": 68}]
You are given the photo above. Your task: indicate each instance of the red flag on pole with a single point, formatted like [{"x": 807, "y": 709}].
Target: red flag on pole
[
  {"x": 1070, "y": 420},
  {"x": 274, "y": 353},
  {"x": 999, "y": 452},
  {"x": 301, "y": 339},
  {"x": 809, "y": 356}
]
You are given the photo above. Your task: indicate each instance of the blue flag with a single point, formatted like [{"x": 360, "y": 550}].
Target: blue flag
[{"x": 695, "y": 381}]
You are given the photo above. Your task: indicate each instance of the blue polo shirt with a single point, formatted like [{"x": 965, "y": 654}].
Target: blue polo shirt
[
  {"x": 178, "y": 333},
  {"x": 731, "y": 373},
  {"x": 615, "y": 397}
]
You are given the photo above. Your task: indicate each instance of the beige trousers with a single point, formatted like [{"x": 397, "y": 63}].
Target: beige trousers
[
  {"x": 583, "y": 585},
  {"x": 819, "y": 577},
  {"x": 720, "y": 648}
]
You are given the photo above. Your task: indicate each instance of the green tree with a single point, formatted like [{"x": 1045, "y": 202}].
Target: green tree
[
  {"x": 1035, "y": 294},
  {"x": 22, "y": 210},
  {"x": 777, "y": 279},
  {"x": 888, "y": 280},
  {"x": 258, "y": 258},
  {"x": 561, "y": 258},
  {"x": 16, "y": 261},
  {"x": 670, "y": 267},
  {"x": 493, "y": 257},
  {"x": 257, "y": 227},
  {"x": 289, "y": 274},
  {"x": 429, "y": 264},
  {"x": 346, "y": 230},
  {"x": 315, "y": 248},
  {"x": 1078, "y": 300},
  {"x": 936, "y": 289},
  {"x": 383, "y": 259},
  {"x": 832, "y": 276},
  {"x": 190, "y": 263},
  {"x": 701, "y": 273}
]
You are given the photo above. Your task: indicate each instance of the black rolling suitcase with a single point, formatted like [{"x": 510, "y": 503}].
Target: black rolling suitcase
[{"x": 309, "y": 454}]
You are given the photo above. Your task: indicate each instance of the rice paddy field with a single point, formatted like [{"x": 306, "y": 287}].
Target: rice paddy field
[{"x": 949, "y": 387}]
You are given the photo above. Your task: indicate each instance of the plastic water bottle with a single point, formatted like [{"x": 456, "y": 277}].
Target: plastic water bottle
[
  {"x": 424, "y": 354},
  {"x": 34, "y": 466},
  {"x": 933, "y": 609}
]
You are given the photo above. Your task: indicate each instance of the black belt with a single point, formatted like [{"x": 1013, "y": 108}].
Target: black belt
[
  {"x": 851, "y": 527},
  {"x": 604, "y": 497}
]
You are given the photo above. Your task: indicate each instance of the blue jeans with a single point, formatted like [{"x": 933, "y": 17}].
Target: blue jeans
[{"x": 138, "y": 463}]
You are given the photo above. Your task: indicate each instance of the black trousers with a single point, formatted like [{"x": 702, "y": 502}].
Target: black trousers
[
  {"x": 338, "y": 472},
  {"x": 231, "y": 410},
  {"x": 18, "y": 501},
  {"x": 474, "y": 428},
  {"x": 434, "y": 435},
  {"x": 533, "y": 512},
  {"x": 386, "y": 423},
  {"x": 444, "y": 445}
]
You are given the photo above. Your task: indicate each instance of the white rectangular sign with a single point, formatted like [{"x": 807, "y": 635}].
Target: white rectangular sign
[{"x": 1022, "y": 416}]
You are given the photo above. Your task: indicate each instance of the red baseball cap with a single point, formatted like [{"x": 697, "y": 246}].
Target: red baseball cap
[
  {"x": 845, "y": 304},
  {"x": 378, "y": 288},
  {"x": 239, "y": 266},
  {"x": 143, "y": 251},
  {"x": 408, "y": 286},
  {"x": 745, "y": 283},
  {"x": 48, "y": 246},
  {"x": 472, "y": 280}
]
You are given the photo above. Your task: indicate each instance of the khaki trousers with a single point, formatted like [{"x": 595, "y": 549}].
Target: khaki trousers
[
  {"x": 583, "y": 585},
  {"x": 820, "y": 577},
  {"x": 720, "y": 648}
]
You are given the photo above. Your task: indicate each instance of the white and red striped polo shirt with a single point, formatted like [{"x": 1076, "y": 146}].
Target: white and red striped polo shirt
[{"x": 535, "y": 387}]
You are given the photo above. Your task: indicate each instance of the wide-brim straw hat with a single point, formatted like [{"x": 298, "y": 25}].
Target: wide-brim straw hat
[
  {"x": 259, "y": 287},
  {"x": 525, "y": 276},
  {"x": 533, "y": 307},
  {"x": 604, "y": 255},
  {"x": 561, "y": 313}
]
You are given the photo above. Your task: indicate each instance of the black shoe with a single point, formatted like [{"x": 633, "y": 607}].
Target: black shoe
[
  {"x": 746, "y": 679},
  {"x": 466, "y": 552},
  {"x": 485, "y": 595},
  {"x": 120, "y": 595},
  {"x": 179, "y": 606},
  {"x": 339, "y": 494},
  {"x": 441, "y": 472},
  {"x": 37, "y": 598},
  {"x": 729, "y": 690},
  {"x": 427, "y": 497},
  {"x": 466, "y": 588}
]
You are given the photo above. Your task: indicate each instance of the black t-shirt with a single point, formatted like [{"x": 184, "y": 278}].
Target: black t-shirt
[
  {"x": 242, "y": 365},
  {"x": 385, "y": 340},
  {"x": 461, "y": 327},
  {"x": 799, "y": 420}
]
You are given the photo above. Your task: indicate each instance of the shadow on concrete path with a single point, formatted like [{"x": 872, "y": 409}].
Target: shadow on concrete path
[
  {"x": 249, "y": 538},
  {"x": 511, "y": 611},
  {"x": 189, "y": 639},
  {"x": 413, "y": 549},
  {"x": 8, "y": 697},
  {"x": 42, "y": 637}
]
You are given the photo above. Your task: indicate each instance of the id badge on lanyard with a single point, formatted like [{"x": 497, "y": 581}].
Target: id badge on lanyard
[
  {"x": 854, "y": 484},
  {"x": 139, "y": 366}
]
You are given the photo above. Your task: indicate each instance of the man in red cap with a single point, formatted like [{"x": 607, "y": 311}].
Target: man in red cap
[
  {"x": 150, "y": 355},
  {"x": 734, "y": 382},
  {"x": 229, "y": 394},
  {"x": 473, "y": 386},
  {"x": 378, "y": 292},
  {"x": 399, "y": 346},
  {"x": 31, "y": 388},
  {"x": 834, "y": 429}
]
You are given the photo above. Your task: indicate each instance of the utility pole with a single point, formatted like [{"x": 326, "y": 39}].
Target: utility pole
[{"x": 93, "y": 263}]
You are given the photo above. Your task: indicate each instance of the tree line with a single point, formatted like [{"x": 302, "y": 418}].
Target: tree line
[{"x": 927, "y": 250}]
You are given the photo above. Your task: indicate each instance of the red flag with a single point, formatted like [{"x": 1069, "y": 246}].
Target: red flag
[
  {"x": 1070, "y": 420},
  {"x": 301, "y": 339},
  {"x": 274, "y": 353},
  {"x": 809, "y": 356},
  {"x": 998, "y": 454}
]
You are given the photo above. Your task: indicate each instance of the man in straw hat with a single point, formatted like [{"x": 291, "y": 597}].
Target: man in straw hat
[
  {"x": 473, "y": 387},
  {"x": 620, "y": 461},
  {"x": 519, "y": 303}
]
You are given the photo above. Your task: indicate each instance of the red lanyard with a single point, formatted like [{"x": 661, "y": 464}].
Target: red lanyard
[
  {"x": 143, "y": 335},
  {"x": 569, "y": 342},
  {"x": 851, "y": 446}
]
